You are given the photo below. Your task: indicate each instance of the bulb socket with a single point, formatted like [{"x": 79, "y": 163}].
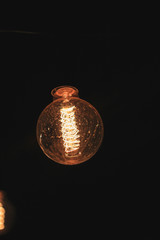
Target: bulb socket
[{"x": 64, "y": 92}]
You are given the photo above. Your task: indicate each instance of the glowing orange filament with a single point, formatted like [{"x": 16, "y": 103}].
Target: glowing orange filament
[
  {"x": 69, "y": 129},
  {"x": 2, "y": 217}
]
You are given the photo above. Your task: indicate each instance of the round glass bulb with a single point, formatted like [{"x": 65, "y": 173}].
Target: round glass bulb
[{"x": 69, "y": 130}]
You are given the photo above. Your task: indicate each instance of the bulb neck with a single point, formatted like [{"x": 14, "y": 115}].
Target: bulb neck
[{"x": 64, "y": 92}]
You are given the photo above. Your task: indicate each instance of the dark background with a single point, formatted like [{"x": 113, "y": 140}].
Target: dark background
[{"x": 112, "y": 63}]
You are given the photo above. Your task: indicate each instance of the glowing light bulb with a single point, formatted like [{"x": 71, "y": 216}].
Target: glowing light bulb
[
  {"x": 69, "y": 130},
  {"x": 2, "y": 217},
  {"x": 2, "y": 213},
  {"x": 7, "y": 214}
]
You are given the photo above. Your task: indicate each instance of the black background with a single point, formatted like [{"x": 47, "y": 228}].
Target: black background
[{"x": 113, "y": 64}]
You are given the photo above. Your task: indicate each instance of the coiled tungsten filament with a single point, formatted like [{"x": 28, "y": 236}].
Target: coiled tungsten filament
[{"x": 69, "y": 129}]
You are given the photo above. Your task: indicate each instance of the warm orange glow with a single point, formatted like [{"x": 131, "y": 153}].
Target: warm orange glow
[
  {"x": 69, "y": 129},
  {"x": 2, "y": 217}
]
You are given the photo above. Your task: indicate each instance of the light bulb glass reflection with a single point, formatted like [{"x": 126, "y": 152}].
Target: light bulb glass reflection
[{"x": 69, "y": 130}]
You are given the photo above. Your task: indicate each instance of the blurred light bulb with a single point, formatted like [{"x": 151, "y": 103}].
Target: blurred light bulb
[
  {"x": 6, "y": 213},
  {"x": 69, "y": 130},
  {"x": 2, "y": 217},
  {"x": 2, "y": 213}
]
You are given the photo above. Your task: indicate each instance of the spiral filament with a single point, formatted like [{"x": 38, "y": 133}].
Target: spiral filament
[
  {"x": 2, "y": 217},
  {"x": 69, "y": 130}
]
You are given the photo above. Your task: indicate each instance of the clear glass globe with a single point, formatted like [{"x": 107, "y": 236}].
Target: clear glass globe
[{"x": 69, "y": 130}]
